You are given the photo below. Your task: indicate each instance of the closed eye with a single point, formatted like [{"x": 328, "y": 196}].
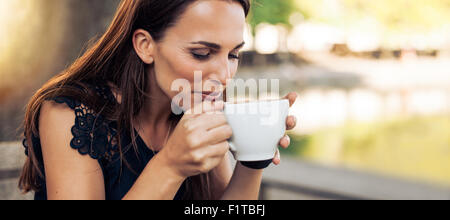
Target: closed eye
[
  {"x": 203, "y": 57},
  {"x": 205, "y": 54},
  {"x": 201, "y": 54},
  {"x": 233, "y": 56}
]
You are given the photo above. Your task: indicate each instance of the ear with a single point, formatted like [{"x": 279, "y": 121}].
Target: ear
[{"x": 144, "y": 45}]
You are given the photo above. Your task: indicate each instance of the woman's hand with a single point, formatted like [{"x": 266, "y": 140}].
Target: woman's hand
[
  {"x": 291, "y": 122},
  {"x": 199, "y": 142}
]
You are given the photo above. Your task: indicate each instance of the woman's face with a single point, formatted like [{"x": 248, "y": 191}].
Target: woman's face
[{"x": 206, "y": 38}]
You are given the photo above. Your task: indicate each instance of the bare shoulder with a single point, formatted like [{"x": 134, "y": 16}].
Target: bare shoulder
[
  {"x": 53, "y": 112},
  {"x": 55, "y": 131},
  {"x": 63, "y": 164}
]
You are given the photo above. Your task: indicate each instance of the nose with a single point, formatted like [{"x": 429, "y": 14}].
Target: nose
[{"x": 224, "y": 72}]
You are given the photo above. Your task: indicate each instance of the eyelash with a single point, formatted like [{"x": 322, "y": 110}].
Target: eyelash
[{"x": 206, "y": 57}]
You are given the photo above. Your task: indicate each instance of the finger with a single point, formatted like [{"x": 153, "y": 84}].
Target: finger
[
  {"x": 213, "y": 162},
  {"x": 194, "y": 111},
  {"x": 292, "y": 97},
  {"x": 277, "y": 160},
  {"x": 291, "y": 122},
  {"x": 210, "y": 121},
  {"x": 285, "y": 142},
  {"x": 219, "y": 134},
  {"x": 204, "y": 107},
  {"x": 209, "y": 152},
  {"x": 218, "y": 150},
  {"x": 211, "y": 107}
]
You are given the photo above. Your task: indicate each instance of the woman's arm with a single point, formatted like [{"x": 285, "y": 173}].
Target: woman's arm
[
  {"x": 70, "y": 175},
  {"x": 156, "y": 182},
  {"x": 221, "y": 176},
  {"x": 244, "y": 185}
]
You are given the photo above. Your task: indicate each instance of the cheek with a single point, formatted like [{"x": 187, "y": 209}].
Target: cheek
[
  {"x": 174, "y": 66},
  {"x": 184, "y": 68}
]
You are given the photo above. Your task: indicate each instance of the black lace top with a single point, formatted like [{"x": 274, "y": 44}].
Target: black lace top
[{"x": 93, "y": 135}]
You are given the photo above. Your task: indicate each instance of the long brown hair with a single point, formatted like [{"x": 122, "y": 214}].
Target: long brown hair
[{"x": 111, "y": 59}]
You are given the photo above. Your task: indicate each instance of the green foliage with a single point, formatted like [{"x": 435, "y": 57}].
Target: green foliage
[
  {"x": 417, "y": 148},
  {"x": 271, "y": 11},
  {"x": 393, "y": 15}
]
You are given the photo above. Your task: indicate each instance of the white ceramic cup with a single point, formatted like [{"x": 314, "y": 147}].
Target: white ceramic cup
[{"x": 257, "y": 128}]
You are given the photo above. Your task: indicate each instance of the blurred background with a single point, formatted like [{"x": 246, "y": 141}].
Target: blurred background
[{"x": 373, "y": 79}]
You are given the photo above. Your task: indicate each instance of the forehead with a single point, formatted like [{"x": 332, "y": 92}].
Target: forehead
[{"x": 219, "y": 21}]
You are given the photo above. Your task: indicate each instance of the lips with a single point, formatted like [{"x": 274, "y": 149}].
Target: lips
[{"x": 211, "y": 96}]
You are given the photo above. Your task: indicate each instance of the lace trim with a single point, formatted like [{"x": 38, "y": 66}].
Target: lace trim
[{"x": 92, "y": 134}]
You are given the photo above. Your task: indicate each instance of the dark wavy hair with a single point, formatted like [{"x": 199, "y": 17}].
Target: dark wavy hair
[{"x": 112, "y": 59}]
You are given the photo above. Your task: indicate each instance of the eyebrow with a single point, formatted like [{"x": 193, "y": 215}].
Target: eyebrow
[{"x": 216, "y": 46}]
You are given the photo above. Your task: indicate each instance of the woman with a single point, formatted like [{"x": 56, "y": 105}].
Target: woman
[{"x": 126, "y": 143}]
